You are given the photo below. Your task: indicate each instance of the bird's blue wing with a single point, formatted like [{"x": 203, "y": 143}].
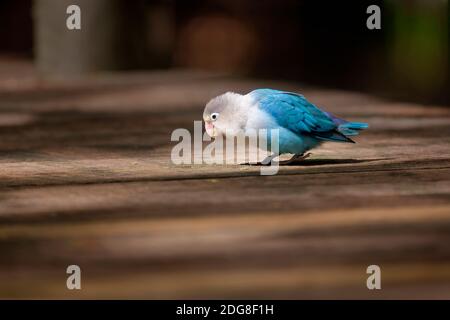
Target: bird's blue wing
[{"x": 294, "y": 112}]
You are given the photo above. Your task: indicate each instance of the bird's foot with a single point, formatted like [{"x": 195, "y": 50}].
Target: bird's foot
[
  {"x": 255, "y": 164},
  {"x": 295, "y": 158},
  {"x": 266, "y": 162}
]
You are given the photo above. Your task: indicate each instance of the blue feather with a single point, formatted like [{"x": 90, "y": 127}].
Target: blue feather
[
  {"x": 348, "y": 128},
  {"x": 294, "y": 112}
]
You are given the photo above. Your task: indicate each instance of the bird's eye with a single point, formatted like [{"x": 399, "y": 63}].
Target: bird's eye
[{"x": 214, "y": 116}]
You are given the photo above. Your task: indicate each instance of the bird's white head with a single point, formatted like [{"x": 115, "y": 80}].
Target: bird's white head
[{"x": 226, "y": 114}]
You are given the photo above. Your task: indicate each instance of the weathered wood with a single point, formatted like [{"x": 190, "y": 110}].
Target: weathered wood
[{"x": 86, "y": 178}]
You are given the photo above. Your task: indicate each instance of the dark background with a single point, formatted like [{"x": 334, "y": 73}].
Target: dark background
[{"x": 323, "y": 43}]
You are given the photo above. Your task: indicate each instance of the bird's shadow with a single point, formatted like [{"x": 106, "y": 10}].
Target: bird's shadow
[{"x": 321, "y": 162}]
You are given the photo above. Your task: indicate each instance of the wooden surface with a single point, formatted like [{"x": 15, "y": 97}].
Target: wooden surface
[{"x": 86, "y": 179}]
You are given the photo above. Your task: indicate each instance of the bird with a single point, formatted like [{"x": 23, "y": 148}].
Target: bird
[{"x": 302, "y": 126}]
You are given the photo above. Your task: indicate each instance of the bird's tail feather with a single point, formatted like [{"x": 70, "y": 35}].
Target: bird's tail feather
[
  {"x": 347, "y": 128},
  {"x": 352, "y": 128}
]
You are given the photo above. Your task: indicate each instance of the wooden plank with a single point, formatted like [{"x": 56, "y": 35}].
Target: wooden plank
[
  {"x": 86, "y": 178},
  {"x": 197, "y": 197},
  {"x": 173, "y": 258}
]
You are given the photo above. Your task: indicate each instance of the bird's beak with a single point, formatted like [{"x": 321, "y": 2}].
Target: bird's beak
[{"x": 210, "y": 128}]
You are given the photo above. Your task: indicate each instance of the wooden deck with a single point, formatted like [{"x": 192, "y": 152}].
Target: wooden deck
[{"x": 86, "y": 179}]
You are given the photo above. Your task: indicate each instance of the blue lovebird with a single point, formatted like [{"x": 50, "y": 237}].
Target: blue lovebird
[{"x": 302, "y": 126}]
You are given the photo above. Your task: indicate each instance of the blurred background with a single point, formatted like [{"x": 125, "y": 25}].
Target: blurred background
[
  {"x": 323, "y": 43},
  {"x": 86, "y": 118}
]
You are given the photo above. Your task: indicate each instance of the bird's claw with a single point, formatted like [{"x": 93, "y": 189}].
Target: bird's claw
[
  {"x": 295, "y": 158},
  {"x": 255, "y": 164},
  {"x": 268, "y": 161}
]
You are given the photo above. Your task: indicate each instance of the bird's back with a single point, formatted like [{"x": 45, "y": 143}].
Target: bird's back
[{"x": 295, "y": 113}]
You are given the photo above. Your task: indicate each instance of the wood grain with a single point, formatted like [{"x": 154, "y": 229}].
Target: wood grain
[{"x": 86, "y": 178}]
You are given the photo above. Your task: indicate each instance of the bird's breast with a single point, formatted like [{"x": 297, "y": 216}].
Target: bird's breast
[{"x": 258, "y": 119}]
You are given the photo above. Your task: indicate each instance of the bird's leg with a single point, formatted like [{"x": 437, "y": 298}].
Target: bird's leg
[
  {"x": 268, "y": 160},
  {"x": 265, "y": 162},
  {"x": 295, "y": 158}
]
